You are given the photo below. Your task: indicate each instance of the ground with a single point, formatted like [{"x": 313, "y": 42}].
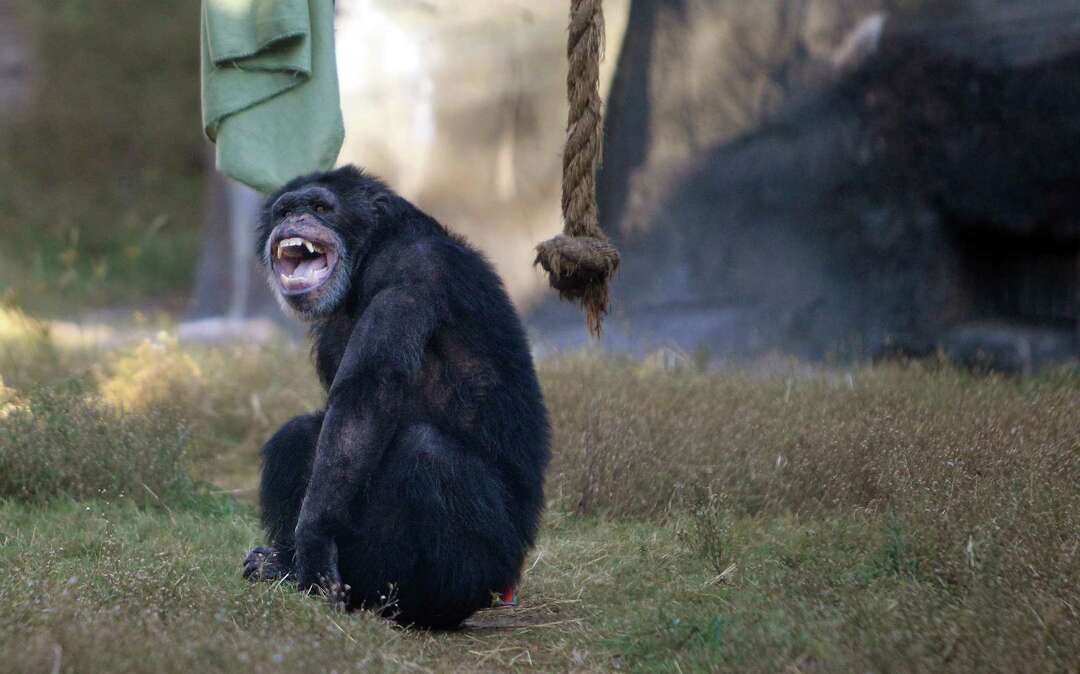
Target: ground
[{"x": 903, "y": 517}]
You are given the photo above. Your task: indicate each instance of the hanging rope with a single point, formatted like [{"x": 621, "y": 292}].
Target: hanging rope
[{"x": 581, "y": 260}]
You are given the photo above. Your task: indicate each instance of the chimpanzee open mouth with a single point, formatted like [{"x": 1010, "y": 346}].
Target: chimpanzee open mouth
[{"x": 301, "y": 263}]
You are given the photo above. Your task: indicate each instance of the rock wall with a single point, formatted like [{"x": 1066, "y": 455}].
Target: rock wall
[{"x": 843, "y": 181}]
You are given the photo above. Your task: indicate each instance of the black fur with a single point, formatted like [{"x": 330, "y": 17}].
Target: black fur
[{"x": 421, "y": 485}]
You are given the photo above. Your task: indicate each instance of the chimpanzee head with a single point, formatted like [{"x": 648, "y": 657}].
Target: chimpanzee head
[{"x": 312, "y": 234}]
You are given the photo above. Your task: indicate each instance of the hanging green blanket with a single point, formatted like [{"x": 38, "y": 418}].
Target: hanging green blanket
[{"x": 269, "y": 88}]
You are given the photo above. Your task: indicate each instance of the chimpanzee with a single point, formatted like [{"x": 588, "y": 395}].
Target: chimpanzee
[{"x": 418, "y": 490}]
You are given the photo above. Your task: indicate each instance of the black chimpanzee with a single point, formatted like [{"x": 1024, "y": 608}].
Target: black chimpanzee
[{"x": 417, "y": 491}]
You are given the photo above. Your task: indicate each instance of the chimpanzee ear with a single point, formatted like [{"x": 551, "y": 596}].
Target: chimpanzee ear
[
  {"x": 390, "y": 207},
  {"x": 381, "y": 201}
]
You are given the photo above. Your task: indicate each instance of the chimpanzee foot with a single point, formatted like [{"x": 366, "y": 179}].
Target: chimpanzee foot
[
  {"x": 266, "y": 564},
  {"x": 337, "y": 593}
]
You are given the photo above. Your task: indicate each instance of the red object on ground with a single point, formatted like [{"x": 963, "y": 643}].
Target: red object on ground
[{"x": 509, "y": 597}]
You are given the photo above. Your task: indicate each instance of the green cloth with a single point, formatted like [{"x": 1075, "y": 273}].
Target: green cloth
[{"x": 269, "y": 88}]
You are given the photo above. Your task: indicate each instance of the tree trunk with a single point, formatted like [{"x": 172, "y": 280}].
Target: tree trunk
[
  {"x": 228, "y": 280},
  {"x": 14, "y": 62}
]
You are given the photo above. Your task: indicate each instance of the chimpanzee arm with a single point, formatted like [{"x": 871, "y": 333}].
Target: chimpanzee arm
[{"x": 384, "y": 353}]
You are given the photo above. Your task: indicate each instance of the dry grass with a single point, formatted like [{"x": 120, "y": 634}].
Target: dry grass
[
  {"x": 974, "y": 479},
  {"x": 631, "y": 439},
  {"x": 62, "y": 443},
  {"x": 890, "y": 518}
]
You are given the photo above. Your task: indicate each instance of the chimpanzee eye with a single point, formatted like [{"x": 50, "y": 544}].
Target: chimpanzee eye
[
  {"x": 321, "y": 209},
  {"x": 288, "y": 213}
]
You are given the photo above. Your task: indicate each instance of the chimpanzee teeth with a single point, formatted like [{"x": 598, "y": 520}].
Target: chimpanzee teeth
[
  {"x": 312, "y": 248},
  {"x": 288, "y": 243},
  {"x": 307, "y": 277}
]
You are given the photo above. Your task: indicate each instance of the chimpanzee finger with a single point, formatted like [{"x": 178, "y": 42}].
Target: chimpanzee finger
[{"x": 257, "y": 554}]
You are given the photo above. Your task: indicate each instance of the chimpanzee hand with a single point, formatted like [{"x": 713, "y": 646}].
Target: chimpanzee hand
[{"x": 317, "y": 565}]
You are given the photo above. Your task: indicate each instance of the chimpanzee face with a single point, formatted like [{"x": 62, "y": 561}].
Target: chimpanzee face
[{"x": 304, "y": 251}]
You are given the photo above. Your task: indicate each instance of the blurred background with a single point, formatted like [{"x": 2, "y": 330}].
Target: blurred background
[{"x": 830, "y": 179}]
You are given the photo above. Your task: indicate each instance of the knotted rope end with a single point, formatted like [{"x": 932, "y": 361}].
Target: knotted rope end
[{"x": 580, "y": 267}]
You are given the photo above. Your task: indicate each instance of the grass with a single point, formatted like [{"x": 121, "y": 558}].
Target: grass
[
  {"x": 889, "y": 518},
  {"x": 63, "y": 442}
]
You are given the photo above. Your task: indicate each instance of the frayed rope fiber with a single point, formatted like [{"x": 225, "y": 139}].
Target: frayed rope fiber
[{"x": 581, "y": 261}]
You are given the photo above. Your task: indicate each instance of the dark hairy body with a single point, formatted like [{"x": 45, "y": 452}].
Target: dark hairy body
[{"x": 417, "y": 492}]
